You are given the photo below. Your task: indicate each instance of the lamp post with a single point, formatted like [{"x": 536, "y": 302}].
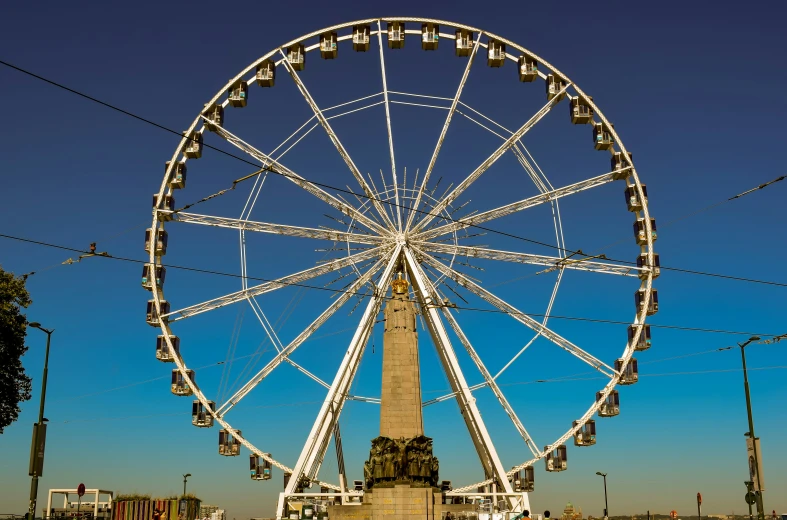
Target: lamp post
[
  {"x": 750, "y": 434},
  {"x": 39, "y": 432},
  {"x": 606, "y": 504},
  {"x": 186, "y": 476}
]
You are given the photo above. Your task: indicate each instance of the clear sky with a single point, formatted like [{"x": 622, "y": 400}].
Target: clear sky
[{"x": 693, "y": 90}]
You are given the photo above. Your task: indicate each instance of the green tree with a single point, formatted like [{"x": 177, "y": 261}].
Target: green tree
[{"x": 14, "y": 382}]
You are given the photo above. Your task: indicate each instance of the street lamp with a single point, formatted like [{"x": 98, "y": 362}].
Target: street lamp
[
  {"x": 39, "y": 431},
  {"x": 186, "y": 476},
  {"x": 606, "y": 504},
  {"x": 750, "y": 434}
]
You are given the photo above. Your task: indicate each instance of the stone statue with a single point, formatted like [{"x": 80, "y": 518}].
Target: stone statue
[
  {"x": 401, "y": 460},
  {"x": 435, "y": 471},
  {"x": 388, "y": 466}
]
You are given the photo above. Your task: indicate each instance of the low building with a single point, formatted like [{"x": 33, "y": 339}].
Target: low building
[{"x": 571, "y": 512}]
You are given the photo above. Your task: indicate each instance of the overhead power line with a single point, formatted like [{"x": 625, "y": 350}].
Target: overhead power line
[
  {"x": 350, "y": 192},
  {"x": 363, "y": 294}
]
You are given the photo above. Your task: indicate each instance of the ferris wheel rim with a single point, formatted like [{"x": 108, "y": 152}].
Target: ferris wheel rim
[{"x": 646, "y": 284}]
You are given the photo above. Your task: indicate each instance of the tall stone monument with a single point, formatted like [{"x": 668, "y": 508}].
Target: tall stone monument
[{"x": 401, "y": 474}]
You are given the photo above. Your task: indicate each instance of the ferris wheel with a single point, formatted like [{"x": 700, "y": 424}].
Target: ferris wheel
[{"x": 392, "y": 225}]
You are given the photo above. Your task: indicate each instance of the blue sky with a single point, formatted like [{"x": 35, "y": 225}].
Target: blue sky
[{"x": 693, "y": 93}]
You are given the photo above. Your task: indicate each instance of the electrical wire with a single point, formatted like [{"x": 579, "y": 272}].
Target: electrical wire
[
  {"x": 93, "y": 419},
  {"x": 520, "y": 383},
  {"x": 426, "y": 213},
  {"x": 580, "y": 375},
  {"x": 359, "y": 293}
]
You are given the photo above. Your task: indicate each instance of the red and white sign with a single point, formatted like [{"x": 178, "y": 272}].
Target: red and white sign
[{"x": 81, "y": 490}]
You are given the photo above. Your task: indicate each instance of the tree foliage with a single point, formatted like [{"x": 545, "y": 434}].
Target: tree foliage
[{"x": 14, "y": 382}]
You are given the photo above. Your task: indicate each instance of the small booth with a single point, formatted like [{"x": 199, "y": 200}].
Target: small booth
[
  {"x": 179, "y": 385},
  {"x": 329, "y": 45},
  {"x": 153, "y": 318},
  {"x": 361, "y": 35},
  {"x": 495, "y": 53},
  {"x": 177, "y": 178},
  {"x": 97, "y": 504},
  {"x": 430, "y": 36},
  {"x": 610, "y": 407},
  {"x": 229, "y": 446},
  {"x": 215, "y": 117},
  {"x": 153, "y": 274},
  {"x": 162, "y": 351},
  {"x": 260, "y": 468},
  {"x": 602, "y": 138},
  {"x": 620, "y": 162},
  {"x": 641, "y": 232},
  {"x": 653, "y": 304},
  {"x": 194, "y": 147},
  {"x": 266, "y": 73},
  {"x": 395, "y": 35},
  {"x": 528, "y": 69},
  {"x": 238, "y": 94},
  {"x": 159, "y": 244},
  {"x": 630, "y": 374},
  {"x": 642, "y": 263},
  {"x": 586, "y": 435},
  {"x": 200, "y": 417},
  {"x": 296, "y": 56},
  {"x": 581, "y": 112},
  {"x": 557, "y": 459},
  {"x": 643, "y": 343},
  {"x": 555, "y": 85},
  {"x": 633, "y": 201},
  {"x": 167, "y": 204},
  {"x": 523, "y": 481},
  {"x": 463, "y": 43}
]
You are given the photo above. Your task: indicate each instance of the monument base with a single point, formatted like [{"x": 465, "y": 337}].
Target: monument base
[{"x": 398, "y": 502}]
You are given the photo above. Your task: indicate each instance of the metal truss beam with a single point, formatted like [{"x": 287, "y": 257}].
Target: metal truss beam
[
  {"x": 272, "y": 285},
  {"x": 475, "y": 424},
  {"x": 272, "y": 164},
  {"x": 514, "y": 207},
  {"x": 490, "y": 382},
  {"x": 484, "y": 166},
  {"x": 443, "y": 132},
  {"x": 299, "y": 340},
  {"x": 336, "y": 142},
  {"x": 276, "y": 229},
  {"x": 521, "y": 317},
  {"x": 531, "y": 259},
  {"x": 313, "y": 450}
]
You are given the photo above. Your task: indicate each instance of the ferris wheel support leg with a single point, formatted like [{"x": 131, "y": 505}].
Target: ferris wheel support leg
[
  {"x": 312, "y": 452},
  {"x": 464, "y": 397}
]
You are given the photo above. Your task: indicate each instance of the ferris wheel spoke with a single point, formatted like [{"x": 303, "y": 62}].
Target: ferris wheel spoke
[
  {"x": 310, "y": 187},
  {"x": 273, "y": 285},
  {"x": 300, "y": 339},
  {"x": 388, "y": 124},
  {"x": 314, "y": 448},
  {"x": 276, "y": 229},
  {"x": 467, "y": 404},
  {"x": 520, "y": 317},
  {"x": 488, "y": 379},
  {"x": 448, "y": 199},
  {"x": 438, "y": 146},
  {"x": 336, "y": 142},
  {"x": 523, "y": 204},
  {"x": 553, "y": 263}
]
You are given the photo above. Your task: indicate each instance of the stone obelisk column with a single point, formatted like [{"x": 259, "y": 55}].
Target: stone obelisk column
[{"x": 400, "y": 410}]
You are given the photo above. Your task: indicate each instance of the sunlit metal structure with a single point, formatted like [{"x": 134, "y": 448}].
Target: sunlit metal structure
[{"x": 400, "y": 226}]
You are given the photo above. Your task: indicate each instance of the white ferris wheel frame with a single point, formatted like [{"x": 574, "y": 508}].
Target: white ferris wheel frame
[{"x": 390, "y": 244}]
